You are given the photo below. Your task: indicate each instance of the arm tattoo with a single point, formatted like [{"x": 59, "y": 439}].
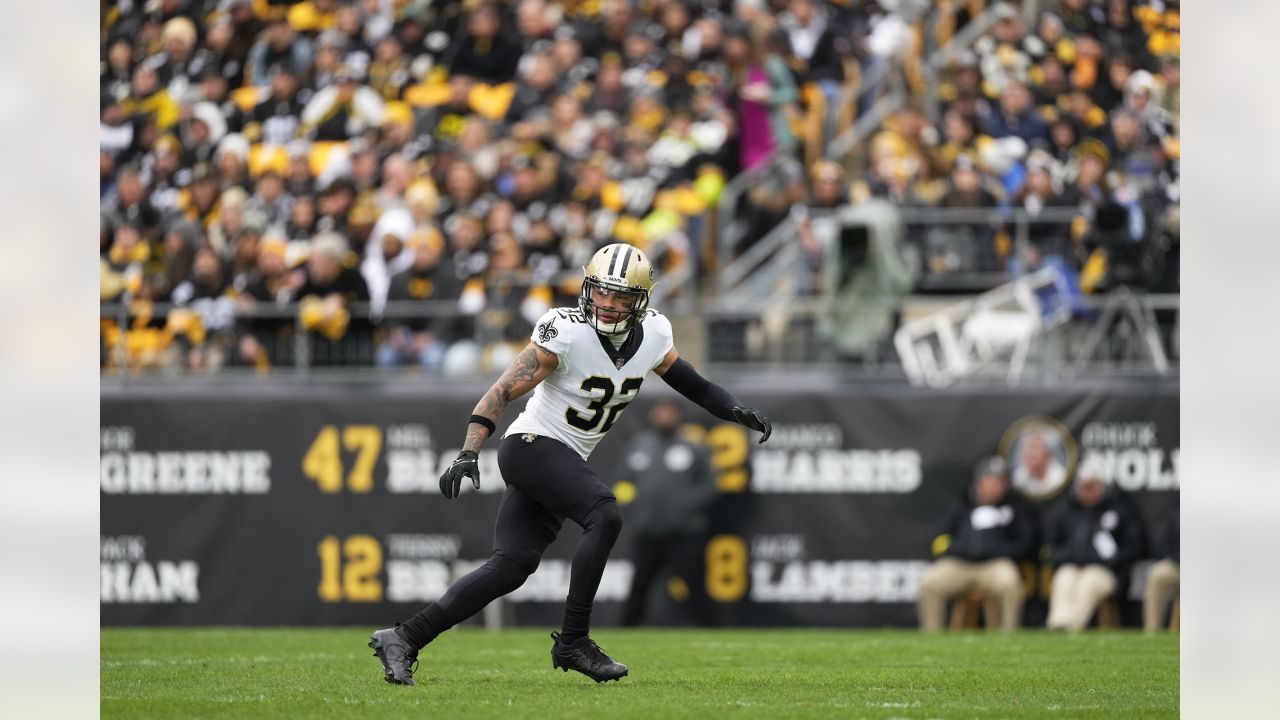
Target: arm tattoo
[{"x": 508, "y": 387}]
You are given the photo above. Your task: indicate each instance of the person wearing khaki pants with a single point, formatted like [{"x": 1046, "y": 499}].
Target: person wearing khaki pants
[
  {"x": 987, "y": 533},
  {"x": 1163, "y": 582},
  {"x": 1093, "y": 540}
]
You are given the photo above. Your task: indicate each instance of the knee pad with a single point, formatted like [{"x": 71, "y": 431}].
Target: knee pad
[
  {"x": 517, "y": 561},
  {"x": 606, "y": 517}
]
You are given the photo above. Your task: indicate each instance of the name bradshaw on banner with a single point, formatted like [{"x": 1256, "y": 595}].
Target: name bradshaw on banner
[
  {"x": 123, "y": 470},
  {"x": 127, "y": 576},
  {"x": 812, "y": 459},
  {"x": 420, "y": 568}
]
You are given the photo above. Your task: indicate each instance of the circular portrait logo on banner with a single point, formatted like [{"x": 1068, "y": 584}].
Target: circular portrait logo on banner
[{"x": 1041, "y": 455}]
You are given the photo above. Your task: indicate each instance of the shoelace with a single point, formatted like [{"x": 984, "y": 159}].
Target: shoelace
[{"x": 595, "y": 652}]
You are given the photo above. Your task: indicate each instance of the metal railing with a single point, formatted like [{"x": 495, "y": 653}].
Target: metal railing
[
  {"x": 967, "y": 236},
  {"x": 786, "y": 338}
]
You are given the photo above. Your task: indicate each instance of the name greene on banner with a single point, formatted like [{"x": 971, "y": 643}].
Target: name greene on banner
[{"x": 125, "y": 471}]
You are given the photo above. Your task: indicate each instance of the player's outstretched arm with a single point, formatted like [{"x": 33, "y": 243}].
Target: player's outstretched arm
[
  {"x": 530, "y": 367},
  {"x": 682, "y": 376}
]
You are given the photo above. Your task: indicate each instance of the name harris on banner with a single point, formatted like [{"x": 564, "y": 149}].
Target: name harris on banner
[{"x": 803, "y": 458}]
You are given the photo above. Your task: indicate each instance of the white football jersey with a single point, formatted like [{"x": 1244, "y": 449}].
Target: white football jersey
[{"x": 578, "y": 402}]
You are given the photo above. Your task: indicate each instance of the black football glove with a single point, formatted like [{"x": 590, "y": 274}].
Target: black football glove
[
  {"x": 465, "y": 464},
  {"x": 753, "y": 419}
]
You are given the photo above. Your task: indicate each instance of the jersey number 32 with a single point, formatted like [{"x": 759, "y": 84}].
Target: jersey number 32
[{"x": 603, "y": 385}]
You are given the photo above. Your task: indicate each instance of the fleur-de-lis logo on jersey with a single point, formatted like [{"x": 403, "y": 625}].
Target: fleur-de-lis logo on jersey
[{"x": 546, "y": 331}]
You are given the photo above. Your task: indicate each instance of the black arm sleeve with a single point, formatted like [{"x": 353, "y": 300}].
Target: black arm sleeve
[{"x": 685, "y": 380}]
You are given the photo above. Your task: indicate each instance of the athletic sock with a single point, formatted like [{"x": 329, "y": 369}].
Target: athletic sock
[
  {"x": 577, "y": 620},
  {"x": 423, "y": 627}
]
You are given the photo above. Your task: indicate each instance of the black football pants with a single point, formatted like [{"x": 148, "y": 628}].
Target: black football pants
[{"x": 547, "y": 481}]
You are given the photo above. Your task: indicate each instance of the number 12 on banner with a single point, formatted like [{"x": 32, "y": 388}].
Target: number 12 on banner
[{"x": 356, "y": 579}]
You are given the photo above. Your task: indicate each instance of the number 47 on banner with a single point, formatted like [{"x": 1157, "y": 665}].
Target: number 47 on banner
[{"x": 323, "y": 461}]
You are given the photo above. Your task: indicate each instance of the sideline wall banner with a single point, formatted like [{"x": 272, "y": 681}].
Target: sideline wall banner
[{"x": 325, "y": 509}]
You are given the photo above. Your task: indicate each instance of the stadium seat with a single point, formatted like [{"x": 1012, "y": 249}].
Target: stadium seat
[
  {"x": 318, "y": 156},
  {"x": 492, "y": 101},
  {"x": 263, "y": 157},
  {"x": 246, "y": 98}
]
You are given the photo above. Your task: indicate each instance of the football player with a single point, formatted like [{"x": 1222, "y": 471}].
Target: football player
[{"x": 584, "y": 366}]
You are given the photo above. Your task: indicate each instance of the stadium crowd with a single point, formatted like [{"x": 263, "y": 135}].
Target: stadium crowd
[{"x": 352, "y": 155}]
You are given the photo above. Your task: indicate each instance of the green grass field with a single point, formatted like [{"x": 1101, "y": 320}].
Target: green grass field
[{"x": 329, "y": 673}]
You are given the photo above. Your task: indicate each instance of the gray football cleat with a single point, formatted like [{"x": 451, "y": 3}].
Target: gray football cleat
[{"x": 399, "y": 659}]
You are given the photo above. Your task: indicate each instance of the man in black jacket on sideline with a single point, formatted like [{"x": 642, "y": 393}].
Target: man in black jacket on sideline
[
  {"x": 988, "y": 532},
  {"x": 1092, "y": 542}
]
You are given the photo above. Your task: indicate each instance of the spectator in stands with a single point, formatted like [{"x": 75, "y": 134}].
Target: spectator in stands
[
  {"x": 327, "y": 290},
  {"x": 1016, "y": 115},
  {"x": 1042, "y": 191},
  {"x": 827, "y": 187},
  {"x": 389, "y": 72},
  {"x": 231, "y": 159},
  {"x": 262, "y": 342},
  {"x": 245, "y": 28},
  {"x": 270, "y": 201},
  {"x": 1108, "y": 92},
  {"x": 342, "y": 110},
  {"x": 674, "y": 487},
  {"x": 484, "y": 52},
  {"x": 820, "y": 51},
  {"x": 276, "y": 119},
  {"x": 1063, "y": 138},
  {"x": 763, "y": 93},
  {"x": 1081, "y": 16},
  {"x": 507, "y": 302},
  {"x": 1092, "y": 543},
  {"x": 130, "y": 205},
  {"x": 279, "y": 46},
  {"x": 961, "y": 136},
  {"x": 175, "y": 64},
  {"x": 180, "y": 243},
  {"x": 987, "y": 534},
  {"x": 1122, "y": 34},
  {"x": 421, "y": 340},
  {"x": 967, "y": 246},
  {"x": 1123, "y": 137},
  {"x": 1163, "y": 582},
  {"x": 1142, "y": 97},
  {"x": 113, "y": 82},
  {"x": 149, "y": 101},
  {"x": 1002, "y": 53},
  {"x": 467, "y": 245},
  {"x": 386, "y": 254}
]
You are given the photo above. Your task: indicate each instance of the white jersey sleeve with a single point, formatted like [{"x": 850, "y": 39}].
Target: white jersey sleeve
[
  {"x": 659, "y": 325},
  {"x": 552, "y": 337}
]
